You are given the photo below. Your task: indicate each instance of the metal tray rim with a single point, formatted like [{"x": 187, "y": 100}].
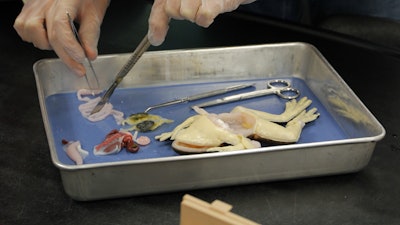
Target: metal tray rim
[{"x": 299, "y": 147}]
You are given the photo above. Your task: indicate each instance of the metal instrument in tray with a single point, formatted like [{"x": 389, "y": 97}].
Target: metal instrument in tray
[{"x": 200, "y": 96}]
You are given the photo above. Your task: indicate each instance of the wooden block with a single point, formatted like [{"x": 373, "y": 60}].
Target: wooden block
[{"x": 198, "y": 212}]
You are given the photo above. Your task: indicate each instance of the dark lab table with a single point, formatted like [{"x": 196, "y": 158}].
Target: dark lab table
[{"x": 31, "y": 191}]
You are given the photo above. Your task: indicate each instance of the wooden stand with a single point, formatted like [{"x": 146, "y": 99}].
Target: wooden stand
[{"x": 198, "y": 212}]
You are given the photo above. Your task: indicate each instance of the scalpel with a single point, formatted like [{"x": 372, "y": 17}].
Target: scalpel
[{"x": 142, "y": 47}]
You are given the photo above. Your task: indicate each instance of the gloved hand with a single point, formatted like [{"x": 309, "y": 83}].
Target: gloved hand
[
  {"x": 201, "y": 12},
  {"x": 45, "y": 24}
]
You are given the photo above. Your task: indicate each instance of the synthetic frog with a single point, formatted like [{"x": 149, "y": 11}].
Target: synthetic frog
[{"x": 242, "y": 128}]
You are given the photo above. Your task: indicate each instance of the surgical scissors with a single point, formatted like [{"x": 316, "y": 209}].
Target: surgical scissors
[{"x": 279, "y": 87}]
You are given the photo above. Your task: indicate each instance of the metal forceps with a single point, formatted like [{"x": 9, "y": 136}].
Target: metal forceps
[
  {"x": 201, "y": 95},
  {"x": 75, "y": 31},
  {"x": 282, "y": 88}
]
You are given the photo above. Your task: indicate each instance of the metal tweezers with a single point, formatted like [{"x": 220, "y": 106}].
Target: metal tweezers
[{"x": 75, "y": 31}]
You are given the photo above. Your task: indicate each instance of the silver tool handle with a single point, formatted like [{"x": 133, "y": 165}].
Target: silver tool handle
[
  {"x": 238, "y": 97},
  {"x": 201, "y": 95},
  {"x": 141, "y": 48},
  {"x": 217, "y": 92},
  {"x": 248, "y": 95}
]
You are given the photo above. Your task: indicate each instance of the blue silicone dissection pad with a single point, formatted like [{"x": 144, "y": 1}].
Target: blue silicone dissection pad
[{"x": 67, "y": 123}]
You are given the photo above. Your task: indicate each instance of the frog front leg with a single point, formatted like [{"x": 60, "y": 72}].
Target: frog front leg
[{"x": 171, "y": 135}]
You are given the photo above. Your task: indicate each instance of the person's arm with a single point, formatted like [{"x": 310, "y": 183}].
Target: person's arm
[
  {"x": 201, "y": 12},
  {"x": 45, "y": 24}
]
